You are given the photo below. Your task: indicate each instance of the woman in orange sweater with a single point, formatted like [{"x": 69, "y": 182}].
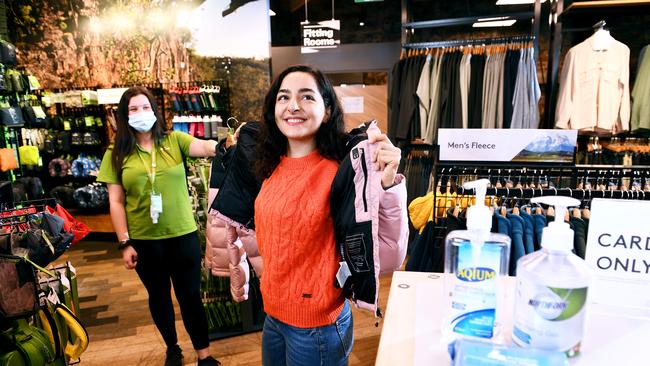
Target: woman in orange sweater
[{"x": 308, "y": 322}]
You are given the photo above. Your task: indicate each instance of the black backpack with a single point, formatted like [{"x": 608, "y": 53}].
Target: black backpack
[{"x": 7, "y": 53}]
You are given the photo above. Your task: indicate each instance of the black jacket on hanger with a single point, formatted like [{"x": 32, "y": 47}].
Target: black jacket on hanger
[{"x": 236, "y": 198}]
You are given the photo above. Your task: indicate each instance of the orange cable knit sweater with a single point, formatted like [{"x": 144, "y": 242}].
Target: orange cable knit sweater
[{"x": 295, "y": 234}]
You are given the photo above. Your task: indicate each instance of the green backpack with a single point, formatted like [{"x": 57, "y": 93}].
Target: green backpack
[{"x": 26, "y": 345}]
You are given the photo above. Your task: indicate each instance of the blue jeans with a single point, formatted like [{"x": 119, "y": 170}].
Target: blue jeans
[{"x": 283, "y": 344}]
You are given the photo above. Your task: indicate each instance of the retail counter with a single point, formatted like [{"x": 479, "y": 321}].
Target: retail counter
[{"x": 411, "y": 330}]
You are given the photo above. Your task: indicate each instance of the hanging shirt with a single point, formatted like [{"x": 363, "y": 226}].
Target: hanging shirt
[
  {"x": 594, "y": 88},
  {"x": 640, "y": 121},
  {"x": 465, "y": 77},
  {"x": 424, "y": 97},
  {"x": 434, "y": 93}
]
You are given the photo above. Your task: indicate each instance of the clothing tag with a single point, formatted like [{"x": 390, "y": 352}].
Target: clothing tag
[
  {"x": 343, "y": 273},
  {"x": 156, "y": 207},
  {"x": 53, "y": 298},
  {"x": 72, "y": 269},
  {"x": 64, "y": 280}
]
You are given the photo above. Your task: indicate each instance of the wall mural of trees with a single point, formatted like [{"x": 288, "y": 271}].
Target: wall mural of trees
[{"x": 102, "y": 43}]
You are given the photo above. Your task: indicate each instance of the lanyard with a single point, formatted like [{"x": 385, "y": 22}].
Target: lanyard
[{"x": 151, "y": 173}]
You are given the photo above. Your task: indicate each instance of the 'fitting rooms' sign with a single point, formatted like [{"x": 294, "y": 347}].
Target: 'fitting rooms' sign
[{"x": 319, "y": 35}]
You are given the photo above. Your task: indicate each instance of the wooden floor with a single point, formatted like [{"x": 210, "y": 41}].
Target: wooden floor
[{"x": 114, "y": 309}]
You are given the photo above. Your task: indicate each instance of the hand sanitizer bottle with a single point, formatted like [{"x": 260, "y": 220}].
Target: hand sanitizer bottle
[
  {"x": 551, "y": 295},
  {"x": 476, "y": 266}
]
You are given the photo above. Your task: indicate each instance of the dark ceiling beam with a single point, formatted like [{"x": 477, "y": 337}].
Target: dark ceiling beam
[{"x": 296, "y": 4}]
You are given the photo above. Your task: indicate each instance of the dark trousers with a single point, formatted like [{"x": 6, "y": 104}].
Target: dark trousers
[{"x": 179, "y": 260}]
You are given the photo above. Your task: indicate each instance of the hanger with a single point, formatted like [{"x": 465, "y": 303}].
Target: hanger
[{"x": 231, "y": 130}]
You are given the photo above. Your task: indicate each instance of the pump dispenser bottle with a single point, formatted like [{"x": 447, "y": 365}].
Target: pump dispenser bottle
[
  {"x": 476, "y": 263},
  {"x": 551, "y": 295}
]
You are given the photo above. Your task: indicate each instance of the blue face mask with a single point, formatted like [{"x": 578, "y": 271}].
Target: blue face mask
[{"x": 143, "y": 121}]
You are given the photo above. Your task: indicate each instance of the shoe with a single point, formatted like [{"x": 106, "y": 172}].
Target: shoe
[
  {"x": 174, "y": 356},
  {"x": 208, "y": 361}
]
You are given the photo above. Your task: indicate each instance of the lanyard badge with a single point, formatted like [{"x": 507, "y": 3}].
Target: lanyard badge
[{"x": 156, "y": 206}]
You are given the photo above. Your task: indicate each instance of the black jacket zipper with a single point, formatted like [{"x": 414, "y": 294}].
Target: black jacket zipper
[{"x": 365, "y": 179}]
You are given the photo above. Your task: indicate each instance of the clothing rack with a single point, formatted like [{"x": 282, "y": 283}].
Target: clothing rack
[
  {"x": 580, "y": 194},
  {"x": 470, "y": 42},
  {"x": 408, "y": 25},
  {"x": 511, "y": 190}
]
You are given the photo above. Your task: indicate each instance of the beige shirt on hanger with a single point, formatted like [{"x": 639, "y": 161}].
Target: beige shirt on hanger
[{"x": 594, "y": 87}]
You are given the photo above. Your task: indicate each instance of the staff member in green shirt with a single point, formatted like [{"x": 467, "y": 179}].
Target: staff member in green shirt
[{"x": 152, "y": 216}]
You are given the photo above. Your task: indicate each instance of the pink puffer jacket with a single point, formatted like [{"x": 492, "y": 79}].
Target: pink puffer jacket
[{"x": 229, "y": 248}]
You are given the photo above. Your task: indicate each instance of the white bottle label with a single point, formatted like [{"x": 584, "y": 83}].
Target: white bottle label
[
  {"x": 549, "y": 318},
  {"x": 474, "y": 291}
]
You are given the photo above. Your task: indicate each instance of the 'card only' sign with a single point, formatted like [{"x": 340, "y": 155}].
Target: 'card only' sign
[{"x": 618, "y": 250}]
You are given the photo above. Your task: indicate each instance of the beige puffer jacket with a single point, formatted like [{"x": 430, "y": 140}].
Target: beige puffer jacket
[{"x": 216, "y": 248}]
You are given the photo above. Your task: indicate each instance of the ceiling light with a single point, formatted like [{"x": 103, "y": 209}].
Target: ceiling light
[
  {"x": 494, "y": 23},
  {"x": 361, "y": 24},
  {"x": 271, "y": 12},
  {"x": 517, "y": 2}
]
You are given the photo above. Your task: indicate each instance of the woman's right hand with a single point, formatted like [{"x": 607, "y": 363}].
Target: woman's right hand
[{"x": 130, "y": 257}]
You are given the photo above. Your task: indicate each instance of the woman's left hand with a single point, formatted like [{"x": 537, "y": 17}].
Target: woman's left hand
[{"x": 386, "y": 159}]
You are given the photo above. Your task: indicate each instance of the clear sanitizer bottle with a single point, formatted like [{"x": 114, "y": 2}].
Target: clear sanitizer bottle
[
  {"x": 476, "y": 267},
  {"x": 551, "y": 295}
]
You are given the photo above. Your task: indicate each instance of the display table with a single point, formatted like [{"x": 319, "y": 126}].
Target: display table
[{"x": 411, "y": 331}]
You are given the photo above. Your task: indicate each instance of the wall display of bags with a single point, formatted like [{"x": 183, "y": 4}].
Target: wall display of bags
[{"x": 92, "y": 196}]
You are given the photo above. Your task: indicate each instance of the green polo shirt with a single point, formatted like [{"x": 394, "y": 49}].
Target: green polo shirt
[{"x": 177, "y": 218}]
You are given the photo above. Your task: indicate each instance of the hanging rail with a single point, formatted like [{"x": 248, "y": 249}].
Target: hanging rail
[{"x": 469, "y": 42}]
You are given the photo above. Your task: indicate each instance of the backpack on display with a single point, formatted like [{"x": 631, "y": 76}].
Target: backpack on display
[
  {"x": 19, "y": 83},
  {"x": 7, "y": 159},
  {"x": 64, "y": 196},
  {"x": 28, "y": 155},
  {"x": 63, "y": 141},
  {"x": 3, "y": 80},
  {"x": 35, "y": 116},
  {"x": 17, "y": 285},
  {"x": 24, "y": 344},
  {"x": 12, "y": 117},
  {"x": 7, "y": 53}
]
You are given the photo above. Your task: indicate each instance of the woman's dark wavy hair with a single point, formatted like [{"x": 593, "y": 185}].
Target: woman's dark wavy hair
[
  {"x": 330, "y": 137},
  {"x": 125, "y": 136}
]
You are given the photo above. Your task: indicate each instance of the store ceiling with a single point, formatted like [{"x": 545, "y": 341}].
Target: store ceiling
[{"x": 370, "y": 22}]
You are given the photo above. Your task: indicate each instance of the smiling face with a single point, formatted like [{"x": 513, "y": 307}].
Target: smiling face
[{"x": 300, "y": 111}]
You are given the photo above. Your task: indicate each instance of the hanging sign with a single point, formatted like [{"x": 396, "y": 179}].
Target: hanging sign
[
  {"x": 618, "y": 250},
  {"x": 110, "y": 96},
  {"x": 320, "y": 35},
  {"x": 507, "y": 145}
]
